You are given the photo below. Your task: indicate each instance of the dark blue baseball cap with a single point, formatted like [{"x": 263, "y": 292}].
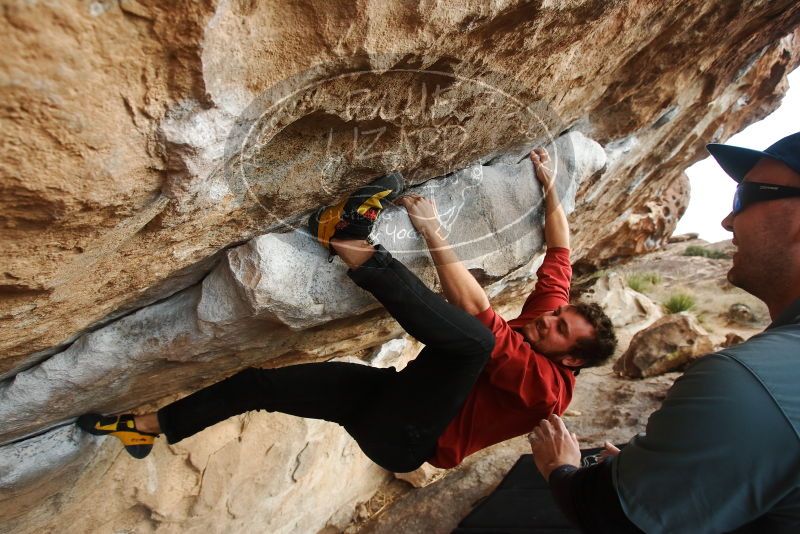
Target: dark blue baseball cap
[{"x": 737, "y": 161}]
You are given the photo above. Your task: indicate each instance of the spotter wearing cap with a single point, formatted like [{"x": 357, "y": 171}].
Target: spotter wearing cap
[{"x": 737, "y": 161}]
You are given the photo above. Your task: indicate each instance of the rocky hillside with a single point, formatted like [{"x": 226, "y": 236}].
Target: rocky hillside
[{"x": 159, "y": 159}]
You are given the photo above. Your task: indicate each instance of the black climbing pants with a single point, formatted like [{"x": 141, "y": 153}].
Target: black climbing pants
[{"x": 396, "y": 417}]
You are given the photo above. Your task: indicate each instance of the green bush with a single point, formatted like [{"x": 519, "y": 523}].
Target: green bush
[
  {"x": 718, "y": 255},
  {"x": 652, "y": 278},
  {"x": 636, "y": 282},
  {"x": 696, "y": 250},
  {"x": 678, "y": 303},
  {"x": 640, "y": 281}
]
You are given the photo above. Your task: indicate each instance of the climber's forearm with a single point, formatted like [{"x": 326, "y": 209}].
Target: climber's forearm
[
  {"x": 459, "y": 286},
  {"x": 556, "y": 227}
]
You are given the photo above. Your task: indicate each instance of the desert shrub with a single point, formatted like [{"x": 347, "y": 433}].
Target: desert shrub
[
  {"x": 641, "y": 281},
  {"x": 678, "y": 302},
  {"x": 652, "y": 278},
  {"x": 597, "y": 274},
  {"x": 697, "y": 250},
  {"x": 636, "y": 282},
  {"x": 717, "y": 255}
]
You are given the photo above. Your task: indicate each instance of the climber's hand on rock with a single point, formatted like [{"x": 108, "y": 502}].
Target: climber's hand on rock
[
  {"x": 422, "y": 213},
  {"x": 541, "y": 167}
]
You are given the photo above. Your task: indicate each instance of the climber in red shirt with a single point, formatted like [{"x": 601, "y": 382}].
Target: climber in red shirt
[
  {"x": 531, "y": 372},
  {"x": 478, "y": 381}
]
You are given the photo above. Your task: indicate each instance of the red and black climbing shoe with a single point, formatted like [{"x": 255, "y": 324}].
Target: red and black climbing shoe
[
  {"x": 122, "y": 427},
  {"x": 354, "y": 218}
]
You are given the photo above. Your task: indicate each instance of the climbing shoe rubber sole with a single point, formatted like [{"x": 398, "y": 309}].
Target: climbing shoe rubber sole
[{"x": 137, "y": 443}]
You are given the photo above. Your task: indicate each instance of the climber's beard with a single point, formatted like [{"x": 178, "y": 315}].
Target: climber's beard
[{"x": 532, "y": 332}]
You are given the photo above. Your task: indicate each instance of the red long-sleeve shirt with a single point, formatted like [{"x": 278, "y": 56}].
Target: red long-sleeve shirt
[{"x": 518, "y": 387}]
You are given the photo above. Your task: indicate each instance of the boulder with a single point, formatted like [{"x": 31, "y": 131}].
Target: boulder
[
  {"x": 343, "y": 94},
  {"x": 682, "y": 238},
  {"x": 266, "y": 301},
  {"x": 242, "y": 471},
  {"x": 667, "y": 345},
  {"x": 27, "y": 474},
  {"x": 731, "y": 340},
  {"x": 150, "y": 219},
  {"x": 246, "y": 474},
  {"x": 741, "y": 314},
  {"x": 439, "y": 506},
  {"x": 395, "y": 353},
  {"x": 423, "y": 476},
  {"x": 490, "y": 215},
  {"x": 624, "y": 306}
]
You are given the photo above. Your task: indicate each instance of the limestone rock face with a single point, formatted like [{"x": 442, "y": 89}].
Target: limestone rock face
[
  {"x": 268, "y": 291},
  {"x": 491, "y": 212},
  {"x": 255, "y": 469},
  {"x": 646, "y": 227},
  {"x": 265, "y": 297},
  {"x": 439, "y": 506},
  {"x": 159, "y": 161},
  {"x": 667, "y": 345},
  {"x": 120, "y": 180},
  {"x": 27, "y": 467}
]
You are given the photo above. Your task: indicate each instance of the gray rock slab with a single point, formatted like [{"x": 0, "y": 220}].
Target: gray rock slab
[
  {"x": 96, "y": 371},
  {"x": 492, "y": 215},
  {"x": 26, "y": 460}
]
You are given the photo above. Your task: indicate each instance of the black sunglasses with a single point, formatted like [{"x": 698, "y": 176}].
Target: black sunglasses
[{"x": 748, "y": 193}]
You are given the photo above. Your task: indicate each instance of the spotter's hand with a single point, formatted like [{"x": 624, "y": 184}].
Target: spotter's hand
[
  {"x": 553, "y": 445},
  {"x": 609, "y": 450}
]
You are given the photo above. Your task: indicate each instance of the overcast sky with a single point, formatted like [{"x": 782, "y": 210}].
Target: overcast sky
[{"x": 712, "y": 189}]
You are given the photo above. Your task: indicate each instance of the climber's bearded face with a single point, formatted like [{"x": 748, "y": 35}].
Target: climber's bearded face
[
  {"x": 767, "y": 237},
  {"x": 554, "y": 334}
]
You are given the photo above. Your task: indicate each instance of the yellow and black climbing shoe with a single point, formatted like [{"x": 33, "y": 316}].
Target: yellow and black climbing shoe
[
  {"x": 137, "y": 443},
  {"x": 354, "y": 218}
]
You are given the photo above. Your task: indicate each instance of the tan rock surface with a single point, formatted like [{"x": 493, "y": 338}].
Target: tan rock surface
[
  {"x": 669, "y": 344},
  {"x": 124, "y": 133},
  {"x": 245, "y": 473},
  {"x": 731, "y": 340},
  {"x": 422, "y": 476},
  {"x": 268, "y": 472},
  {"x": 276, "y": 299},
  {"x": 116, "y": 117},
  {"x": 624, "y": 306}
]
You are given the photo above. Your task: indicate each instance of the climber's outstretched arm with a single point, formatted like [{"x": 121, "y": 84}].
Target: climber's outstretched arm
[
  {"x": 459, "y": 286},
  {"x": 556, "y": 227}
]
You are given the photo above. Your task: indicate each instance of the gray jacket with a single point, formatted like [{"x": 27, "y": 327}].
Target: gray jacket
[{"x": 722, "y": 454}]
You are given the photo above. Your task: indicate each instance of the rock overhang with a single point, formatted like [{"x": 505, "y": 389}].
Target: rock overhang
[
  {"x": 201, "y": 65},
  {"x": 283, "y": 280},
  {"x": 668, "y": 94}
]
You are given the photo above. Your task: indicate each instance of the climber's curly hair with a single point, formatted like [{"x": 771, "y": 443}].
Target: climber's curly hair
[{"x": 598, "y": 349}]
